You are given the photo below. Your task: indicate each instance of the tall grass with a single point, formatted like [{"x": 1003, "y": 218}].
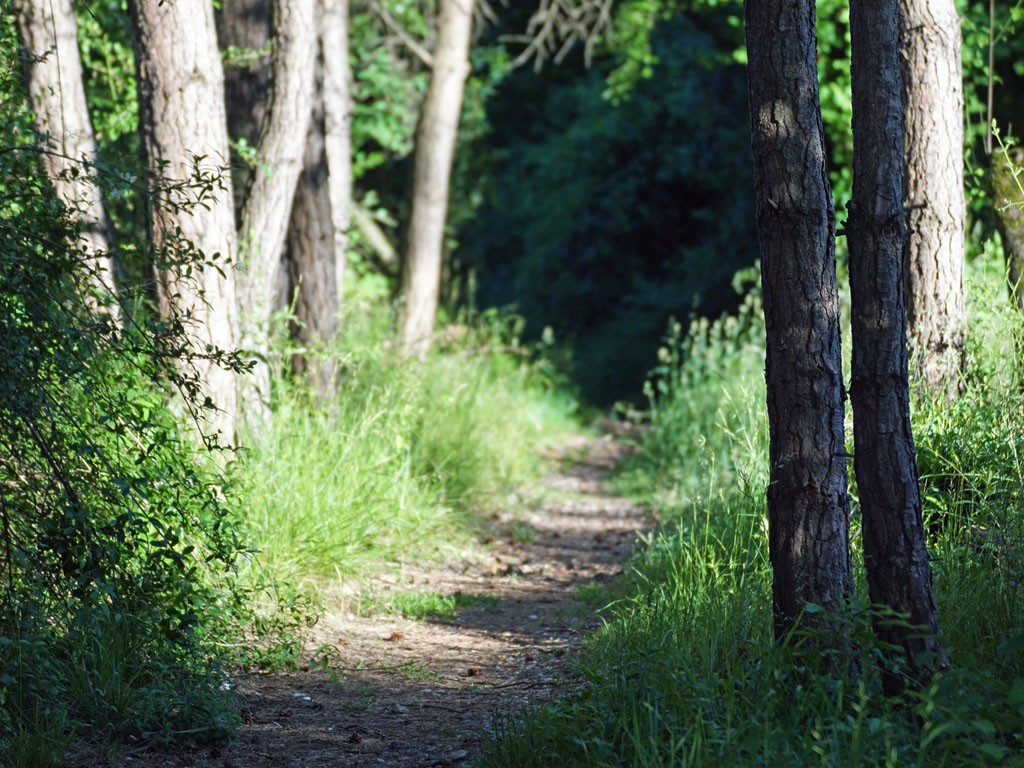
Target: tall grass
[
  {"x": 402, "y": 459},
  {"x": 684, "y": 671}
]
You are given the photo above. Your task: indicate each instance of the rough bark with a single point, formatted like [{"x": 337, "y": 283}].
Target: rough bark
[
  {"x": 311, "y": 258},
  {"x": 184, "y": 133},
  {"x": 268, "y": 201},
  {"x": 53, "y": 78},
  {"x": 934, "y": 191},
  {"x": 435, "y": 147},
  {"x": 808, "y": 505},
  {"x": 245, "y": 26},
  {"x": 1009, "y": 203},
  {"x": 896, "y": 560}
]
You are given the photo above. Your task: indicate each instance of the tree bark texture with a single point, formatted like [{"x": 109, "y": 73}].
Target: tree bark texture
[
  {"x": 311, "y": 258},
  {"x": 245, "y": 25},
  {"x": 53, "y": 79},
  {"x": 435, "y": 148},
  {"x": 337, "y": 129},
  {"x": 268, "y": 201},
  {"x": 184, "y": 133},
  {"x": 896, "y": 560},
  {"x": 808, "y": 505},
  {"x": 933, "y": 104},
  {"x": 1009, "y": 202}
]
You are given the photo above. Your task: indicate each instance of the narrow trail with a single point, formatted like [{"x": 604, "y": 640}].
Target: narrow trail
[{"x": 421, "y": 694}]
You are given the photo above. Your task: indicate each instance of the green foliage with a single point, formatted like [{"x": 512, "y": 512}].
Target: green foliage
[
  {"x": 395, "y": 463},
  {"x": 117, "y": 548}
]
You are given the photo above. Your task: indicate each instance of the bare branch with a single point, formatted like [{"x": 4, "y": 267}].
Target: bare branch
[
  {"x": 557, "y": 25},
  {"x": 408, "y": 40}
]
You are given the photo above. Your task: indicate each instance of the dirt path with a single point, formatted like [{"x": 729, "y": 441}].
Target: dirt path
[{"x": 398, "y": 692}]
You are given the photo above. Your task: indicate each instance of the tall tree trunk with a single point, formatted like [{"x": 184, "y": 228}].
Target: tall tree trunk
[
  {"x": 268, "y": 201},
  {"x": 808, "y": 506},
  {"x": 435, "y": 147},
  {"x": 244, "y": 26},
  {"x": 53, "y": 78},
  {"x": 311, "y": 258},
  {"x": 934, "y": 191},
  {"x": 318, "y": 235},
  {"x": 337, "y": 128},
  {"x": 184, "y": 134},
  {"x": 895, "y": 557}
]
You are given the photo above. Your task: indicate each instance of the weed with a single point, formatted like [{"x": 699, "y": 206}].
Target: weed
[{"x": 423, "y": 605}]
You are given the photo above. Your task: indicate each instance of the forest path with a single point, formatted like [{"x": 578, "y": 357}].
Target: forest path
[{"x": 421, "y": 694}]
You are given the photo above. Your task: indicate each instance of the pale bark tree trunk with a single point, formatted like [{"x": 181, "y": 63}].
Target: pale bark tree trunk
[
  {"x": 184, "y": 133},
  {"x": 435, "y": 147},
  {"x": 54, "y": 82},
  {"x": 934, "y": 191},
  {"x": 895, "y": 556},
  {"x": 808, "y": 506},
  {"x": 337, "y": 129},
  {"x": 318, "y": 235},
  {"x": 268, "y": 201}
]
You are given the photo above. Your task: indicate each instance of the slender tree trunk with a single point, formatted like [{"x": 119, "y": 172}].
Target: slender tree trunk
[
  {"x": 934, "y": 191},
  {"x": 1009, "y": 202},
  {"x": 337, "y": 129},
  {"x": 435, "y": 147},
  {"x": 311, "y": 258},
  {"x": 268, "y": 201},
  {"x": 896, "y": 560},
  {"x": 53, "y": 78},
  {"x": 184, "y": 135},
  {"x": 808, "y": 506}
]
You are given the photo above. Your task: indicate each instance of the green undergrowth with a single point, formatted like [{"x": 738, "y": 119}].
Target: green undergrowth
[
  {"x": 402, "y": 461},
  {"x": 684, "y": 671}
]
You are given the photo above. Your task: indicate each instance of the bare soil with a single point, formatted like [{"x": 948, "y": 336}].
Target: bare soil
[{"x": 422, "y": 694}]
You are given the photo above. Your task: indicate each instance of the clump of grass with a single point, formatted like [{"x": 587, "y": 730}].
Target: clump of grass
[
  {"x": 423, "y": 605},
  {"x": 400, "y": 461}
]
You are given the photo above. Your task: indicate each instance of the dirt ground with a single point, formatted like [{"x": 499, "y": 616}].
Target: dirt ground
[{"x": 422, "y": 694}]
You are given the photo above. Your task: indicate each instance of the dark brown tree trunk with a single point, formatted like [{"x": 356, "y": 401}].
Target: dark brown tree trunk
[
  {"x": 53, "y": 79},
  {"x": 435, "y": 147},
  {"x": 184, "y": 133},
  {"x": 896, "y": 560},
  {"x": 934, "y": 191},
  {"x": 808, "y": 505}
]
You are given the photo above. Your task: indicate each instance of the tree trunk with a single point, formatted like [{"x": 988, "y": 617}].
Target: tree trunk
[
  {"x": 53, "y": 79},
  {"x": 1009, "y": 202},
  {"x": 244, "y": 25},
  {"x": 435, "y": 147},
  {"x": 184, "y": 134},
  {"x": 311, "y": 258},
  {"x": 808, "y": 506},
  {"x": 896, "y": 560},
  {"x": 268, "y": 201},
  {"x": 934, "y": 191},
  {"x": 337, "y": 129}
]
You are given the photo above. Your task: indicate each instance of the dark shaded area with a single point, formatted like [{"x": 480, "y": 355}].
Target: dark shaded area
[{"x": 602, "y": 221}]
